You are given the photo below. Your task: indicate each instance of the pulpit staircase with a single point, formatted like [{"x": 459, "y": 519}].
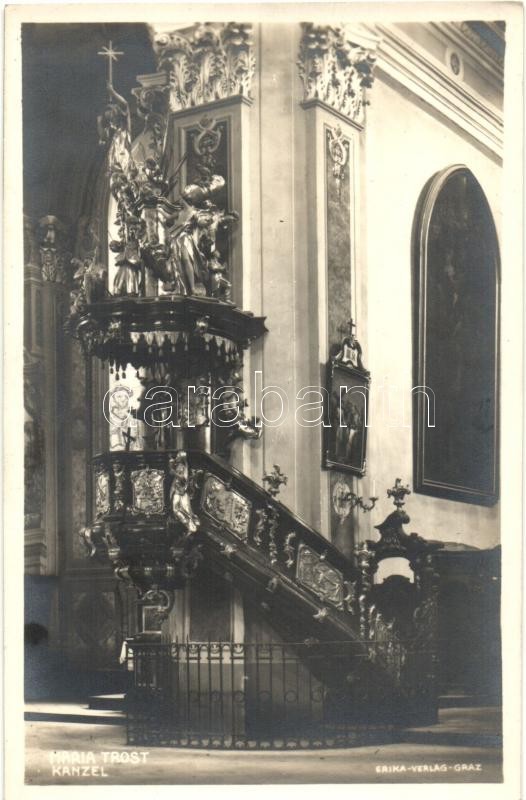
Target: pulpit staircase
[
  {"x": 165, "y": 506},
  {"x": 372, "y": 670}
]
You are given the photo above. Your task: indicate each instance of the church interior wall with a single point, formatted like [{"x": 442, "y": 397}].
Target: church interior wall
[{"x": 284, "y": 280}]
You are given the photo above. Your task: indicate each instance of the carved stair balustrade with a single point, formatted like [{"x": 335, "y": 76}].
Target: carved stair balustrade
[{"x": 161, "y": 521}]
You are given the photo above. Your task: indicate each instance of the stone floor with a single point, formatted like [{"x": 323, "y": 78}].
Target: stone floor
[{"x": 59, "y": 752}]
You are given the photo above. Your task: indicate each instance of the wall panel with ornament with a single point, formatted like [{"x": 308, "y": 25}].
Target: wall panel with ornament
[{"x": 335, "y": 122}]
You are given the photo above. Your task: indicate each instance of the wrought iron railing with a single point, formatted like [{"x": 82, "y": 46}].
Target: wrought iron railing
[{"x": 272, "y": 695}]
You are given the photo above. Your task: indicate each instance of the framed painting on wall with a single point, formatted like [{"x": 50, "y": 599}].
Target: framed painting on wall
[
  {"x": 455, "y": 334},
  {"x": 347, "y": 409}
]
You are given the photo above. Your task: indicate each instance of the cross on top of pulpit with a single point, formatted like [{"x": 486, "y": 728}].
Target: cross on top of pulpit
[
  {"x": 111, "y": 55},
  {"x": 128, "y": 439},
  {"x": 347, "y": 329},
  {"x": 398, "y": 492}
]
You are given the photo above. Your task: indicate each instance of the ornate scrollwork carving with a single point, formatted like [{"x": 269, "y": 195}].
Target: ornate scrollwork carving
[
  {"x": 289, "y": 549},
  {"x": 160, "y": 598},
  {"x": 275, "y": 480},
  {"x": 273, "y": 585},
  {"x": 321, "y": 614},
  {"x": 350, "y": 598},
  {"x": 339, "y": 153},
  {"x": 398, "y": 492},
  {"x": 228, "y": 550},
  {"x": 273, "y": 519},
  {"x": 207, "y": 141},
  {"x": 119, "y": 486},
  {"x": 335, "y": 70},
  {"x": 207, "y": 63},
  {"x": 148, "y": 491},
  {"x": 260, "y": 527},
  {"x": 102, "y": 492},
  {"x": 325, "y": 581},
  {"x": 226, "y": 507}
]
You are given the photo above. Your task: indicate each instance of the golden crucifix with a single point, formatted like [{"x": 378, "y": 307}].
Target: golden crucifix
[{"x": 111, "y": 55}]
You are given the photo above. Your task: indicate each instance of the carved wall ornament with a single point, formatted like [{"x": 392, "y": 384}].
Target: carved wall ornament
[
  {"x": 147, "y": 491},
  {"x": 207, "y": 141},
  {"x": 335, "y": 70},
  {"x": 119, "y": 490},
  {"x": 53, "y": 251},
  {"x": 226, "y": 507},
  {"x": 325, "y": 581},
  {"x": 34, "y": 442},
  {"x": 339, "y": 153},
  {"x": 102, "y": 493},
  {"x": 161, "y": 599},
  {"x": 275, "y": 480},
  {"x": 210, "y": 62}
]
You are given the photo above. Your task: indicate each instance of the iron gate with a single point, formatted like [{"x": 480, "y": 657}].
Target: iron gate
[{"x": 274, "y": 695}]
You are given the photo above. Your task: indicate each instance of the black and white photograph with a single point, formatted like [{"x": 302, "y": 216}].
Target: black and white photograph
[{"x": 263, "y": 401}]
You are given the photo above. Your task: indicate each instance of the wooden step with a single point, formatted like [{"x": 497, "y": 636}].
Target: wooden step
[{"x": 107, "y": 702}]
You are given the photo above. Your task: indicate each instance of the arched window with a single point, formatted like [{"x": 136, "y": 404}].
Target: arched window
[{"x": 456, "y": 301}]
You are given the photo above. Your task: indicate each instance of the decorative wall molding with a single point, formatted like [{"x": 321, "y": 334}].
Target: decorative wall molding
[
  {"x": 47, "y": 274},
  {"x": 494, "y": 54},
  {"x": 205, "y": 63},
  {"x": 335, "y": 70},
  {"x": 400, "y": 58},
  {"x": 54, "y": 255},
  {"x": 338, "y": 147}
]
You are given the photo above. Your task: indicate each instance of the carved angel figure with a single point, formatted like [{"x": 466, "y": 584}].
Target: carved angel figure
[
  {"x": 179, "y": 496},
  {"x": 114, "y": 126}
]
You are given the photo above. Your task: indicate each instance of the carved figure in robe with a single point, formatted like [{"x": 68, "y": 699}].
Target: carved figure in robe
[
  {"x": 194, "y": 265},
  {"x": 127, "y": 280},
  {"x": 120, "y": 417},
  {"x": 90, "y": 278}
]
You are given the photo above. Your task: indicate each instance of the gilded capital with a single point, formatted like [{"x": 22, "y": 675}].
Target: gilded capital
[
  {"x": 206, "y": 63},
  {"x": 336, "y": 69}
]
